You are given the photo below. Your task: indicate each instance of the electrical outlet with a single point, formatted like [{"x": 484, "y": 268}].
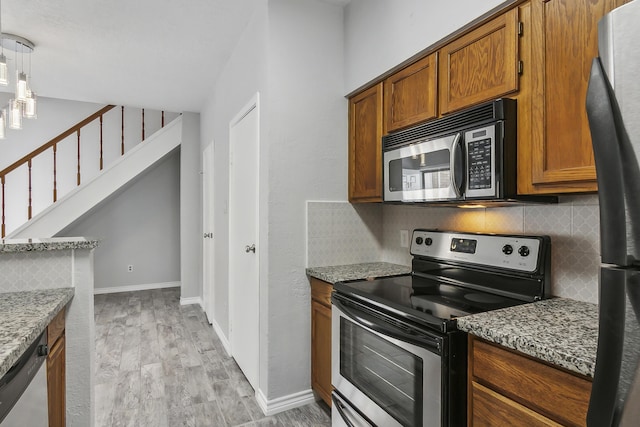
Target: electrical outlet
[
  {"x": 130, "y": 268},
  {"x": 404, "y": 238}
]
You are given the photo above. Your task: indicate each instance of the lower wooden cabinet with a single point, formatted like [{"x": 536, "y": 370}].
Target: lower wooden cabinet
[
  {"x": 321, "y": 339},
  {"x": 509, "y": 388},
  {"x": 56, "y": 382}
]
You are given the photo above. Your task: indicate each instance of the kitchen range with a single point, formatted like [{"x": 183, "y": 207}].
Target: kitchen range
[{"x": 397, "y": 356}]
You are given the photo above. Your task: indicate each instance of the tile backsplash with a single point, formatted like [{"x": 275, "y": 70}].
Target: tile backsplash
[
  {"x": 26, "y": 271},
  {"x": 341, "y": 233}
]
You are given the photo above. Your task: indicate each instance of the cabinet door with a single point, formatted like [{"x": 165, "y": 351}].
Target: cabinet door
[
  {"x": 56, "y": 384},
  {"x": 564, "y": 42},
  {"x": 365, "y": 146},
  {"x": 321, "y": 350},
  {"x": 481, "y": 65},
  {"x": 410, "y": 95}
]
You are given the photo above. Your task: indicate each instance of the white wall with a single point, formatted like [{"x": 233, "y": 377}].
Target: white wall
[
  {"x": 380, "y": 34},
  {"x": 138, "y": 226},
  {"x": 307, "y": 160},
  {"x": 190, "y": 208},
  {"x": 244, "y": 75},
  {"x": 292, "y": 53}
]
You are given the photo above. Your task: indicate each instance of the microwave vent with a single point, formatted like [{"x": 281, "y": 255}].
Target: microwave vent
[{"x": 476, "y": 116}]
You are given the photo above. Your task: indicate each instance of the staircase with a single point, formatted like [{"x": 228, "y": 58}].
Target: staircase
[{"x": 89, "y": 188}]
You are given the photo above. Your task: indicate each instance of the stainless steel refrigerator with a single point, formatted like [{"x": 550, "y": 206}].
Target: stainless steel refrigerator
[{"x": 613, "y": 109}]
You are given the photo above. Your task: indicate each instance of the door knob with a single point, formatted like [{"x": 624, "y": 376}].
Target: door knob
[{"x": 251, "y": 248}]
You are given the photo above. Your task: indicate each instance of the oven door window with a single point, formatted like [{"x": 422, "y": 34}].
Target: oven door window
[{"x": 389, "y": 375}]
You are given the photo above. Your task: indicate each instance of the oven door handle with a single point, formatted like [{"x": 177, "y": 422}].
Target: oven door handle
[
  {"x": 342, "y": 410},
  {"x": 423, "y": 340}
]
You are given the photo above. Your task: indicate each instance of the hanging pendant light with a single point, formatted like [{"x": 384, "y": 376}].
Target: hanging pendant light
[
  {"x": 15, "y": 114},
  {"x": 4, "y": 70},
  {"x": 24, "y": 103},
  {"x": 3, "y": 123},
  {"x": 30, "y": 105}
]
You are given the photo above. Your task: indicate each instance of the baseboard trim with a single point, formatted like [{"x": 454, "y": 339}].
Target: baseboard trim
[
  {"x": 134, "y": 288},
  {"x": 191, "y": 300},
  {"x": 281, "y": 404},
  {"x": 223, "y": 339}
]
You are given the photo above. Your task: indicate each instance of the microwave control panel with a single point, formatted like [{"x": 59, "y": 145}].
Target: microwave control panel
[
  {"x": 519, "y": 253},
  {"x": 480, "y": 144}
]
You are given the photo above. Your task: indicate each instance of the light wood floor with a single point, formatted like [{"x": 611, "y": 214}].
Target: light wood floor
[{"x": 160, "y": 364}]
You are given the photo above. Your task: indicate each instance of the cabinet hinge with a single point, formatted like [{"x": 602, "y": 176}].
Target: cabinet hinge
[
  {"x": 520, "y": 67},
  {"x": 520, "y": 28}
]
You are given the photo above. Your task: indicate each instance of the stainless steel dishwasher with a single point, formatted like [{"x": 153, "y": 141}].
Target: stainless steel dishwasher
[{"x": 23, "y": 389}]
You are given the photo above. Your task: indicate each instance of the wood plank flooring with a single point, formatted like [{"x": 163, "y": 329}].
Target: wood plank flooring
[{"x": 161, "y": 364}]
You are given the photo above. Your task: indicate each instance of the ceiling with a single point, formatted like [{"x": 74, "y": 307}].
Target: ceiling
[
  {"x": 148, "y": 53},
  {"x": 156, "y": 54}
]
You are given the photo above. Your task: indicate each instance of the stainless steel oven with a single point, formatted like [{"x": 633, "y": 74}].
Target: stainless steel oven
[{"x": 397, "y": 356}]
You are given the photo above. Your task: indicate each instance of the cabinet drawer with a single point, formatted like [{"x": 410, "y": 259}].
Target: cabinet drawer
[
  {"x": 55, "y": 328},
  {"x": 557, "y": 394},
  {"x": 492, "y": 409},
  {"x": 321, "y": 291}
]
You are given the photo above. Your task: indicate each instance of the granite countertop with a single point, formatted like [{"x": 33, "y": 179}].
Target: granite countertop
[
  {"x": 23, "y": 316},
  {"x": 52, "y": 244},
  {"x": 339, "y": 273},
  {"x": 560, "y": 331}
]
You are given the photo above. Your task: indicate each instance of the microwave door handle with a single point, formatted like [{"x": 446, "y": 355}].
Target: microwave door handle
[{"x": 455, "y": 165}]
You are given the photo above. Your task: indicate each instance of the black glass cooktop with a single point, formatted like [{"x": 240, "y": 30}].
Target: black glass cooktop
[{"x": 425, "y": 301}]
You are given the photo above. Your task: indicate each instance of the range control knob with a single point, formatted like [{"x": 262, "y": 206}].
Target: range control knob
[
  {"x": 523, "y": 251},
  {"x": 419, "y": 240},
  {"x": 507, "y": 249},
  {"x": 428, "y": 241}
]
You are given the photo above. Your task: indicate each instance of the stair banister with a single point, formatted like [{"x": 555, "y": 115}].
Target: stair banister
[{"x": 53, "y": 144}]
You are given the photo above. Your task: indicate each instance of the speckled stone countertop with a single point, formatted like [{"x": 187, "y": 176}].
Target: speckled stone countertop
[
  {"x": 23, "y": 316},
  {"x": 561, "y": 331},
  {"x": 52, "y": 244},
  {"x": 339, "y": 273}
]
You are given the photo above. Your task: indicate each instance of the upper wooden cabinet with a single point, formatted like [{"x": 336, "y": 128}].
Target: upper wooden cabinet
[
  {"x": 410, "y": 95},
  {"x": 538, "y": 52},
  {"x": 365, "y": 145},
  {"x": 481, "y": 65},
  {"x": 561, "y": 42}
]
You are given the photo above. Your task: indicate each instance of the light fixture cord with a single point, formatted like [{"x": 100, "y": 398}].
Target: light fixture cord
[{"x": 1, "y": 38}]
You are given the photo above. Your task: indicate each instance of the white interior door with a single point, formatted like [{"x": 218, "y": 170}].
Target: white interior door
[
  {"x": 208, "y": 254},
  {"x": 244, "y": 246}
]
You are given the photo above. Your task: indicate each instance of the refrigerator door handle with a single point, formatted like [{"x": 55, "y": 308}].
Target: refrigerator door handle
[
  {"x": 603, "y": 404},
  {"x": 606, "y": 129}
]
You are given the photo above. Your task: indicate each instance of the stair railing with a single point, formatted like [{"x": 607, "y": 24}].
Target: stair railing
[{"x": 53, "y": 144}]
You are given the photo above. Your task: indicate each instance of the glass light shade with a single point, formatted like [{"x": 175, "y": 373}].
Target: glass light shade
[
  {"x": 3, "y": 123},
  {"x": 4, "y": 71},
  {"x": 31, "y": 106},
  {"x": 15, "y": 114},
  {"x": 21, "y": 87}
]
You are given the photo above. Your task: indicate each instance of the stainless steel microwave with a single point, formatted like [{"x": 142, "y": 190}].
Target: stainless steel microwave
[{"x": 465, "y": 157}]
